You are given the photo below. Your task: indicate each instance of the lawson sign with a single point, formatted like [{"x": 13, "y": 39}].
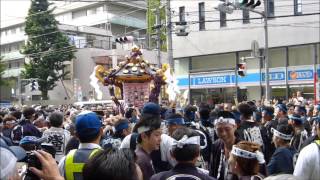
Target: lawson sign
[
  {"x": 212, "y": 80},
  {"x": 276, "y": 75}
]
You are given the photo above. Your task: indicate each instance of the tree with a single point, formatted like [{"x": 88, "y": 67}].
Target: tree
[
  {"x": 2, "y": 69},
  {"x": 151, "y": 21},
  {"x": 46, "y": 48}
]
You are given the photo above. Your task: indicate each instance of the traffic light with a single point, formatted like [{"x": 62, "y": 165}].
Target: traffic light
[
  {"x": 34, "y": 85},
  {"x": 125, "y": 39},
  {"x": 242, "y": 68},
  {"x": 249, "y": 3},
  {"x": 181, "y": 28}
]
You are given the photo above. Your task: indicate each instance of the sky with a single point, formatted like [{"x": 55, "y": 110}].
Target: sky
[
  {"x": 16, "y": 10},
  {"x": 13, "y": 10}
]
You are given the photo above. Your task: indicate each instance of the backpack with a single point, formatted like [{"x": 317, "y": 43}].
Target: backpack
[{"x": 17, "y": 134}]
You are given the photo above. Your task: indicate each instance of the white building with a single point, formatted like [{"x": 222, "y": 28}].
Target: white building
[
  {"x": 217, "y": 41},
  {"x": 91, "y": 27}
]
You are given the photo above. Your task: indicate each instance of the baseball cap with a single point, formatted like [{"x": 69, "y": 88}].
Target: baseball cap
[
  {"x": 282, "y": 107},
  {"x": 175, "y": 121},
  {"x": 296, "y": 117},
  {"x": 87, "y": 124},
  {"x": 268, "y": 110},
  {"x": 17, "y": 151},
  {"x": 151, "y": 108},
  {"x": 28, "y": 140}
]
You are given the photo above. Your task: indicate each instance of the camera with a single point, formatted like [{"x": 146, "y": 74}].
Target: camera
[{"x": 33, "y": 161}]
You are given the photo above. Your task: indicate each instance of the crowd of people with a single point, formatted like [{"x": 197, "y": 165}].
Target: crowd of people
[{"x": 247, "y": 141}]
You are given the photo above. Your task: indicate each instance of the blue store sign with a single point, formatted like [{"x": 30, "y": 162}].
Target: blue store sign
[
  {"x": 211, "y": 80},
  {"x": 277, "y": 75},
  {"x": 300, "y": 75}
]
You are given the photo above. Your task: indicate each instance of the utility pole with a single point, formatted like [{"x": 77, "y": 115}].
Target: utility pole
[
  {"x": 266, "y": 51},
  {"x": 169, "y": 35},
  {"x": 158, "y": 26}
]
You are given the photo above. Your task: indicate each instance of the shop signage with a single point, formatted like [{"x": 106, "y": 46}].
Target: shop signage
[
  {"x": 295, "y": 75},
  {"x": 300, "y": 75},
  {"x": 275, "y": 76},
  {"x": 212, "y": 80}
]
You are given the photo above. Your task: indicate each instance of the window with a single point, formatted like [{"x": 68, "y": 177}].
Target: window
[
  {"x": 270, "y": 8},
  {"x": 223, "y": 17},
  {"x": 182, "y": 13},
  {"x": 78, "y": 14},
  {"x": 202, "y": 23},
  {"x": 301, "y": 55},
  {"x": 92, "y": 11},
  {"x": 245, "y": 16},
  {"x": 297, "y": 7},
  {"x": 13, "y": 31}
]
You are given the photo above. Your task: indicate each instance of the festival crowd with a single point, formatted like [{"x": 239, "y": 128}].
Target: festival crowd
[{"x": 246, "y": 141}]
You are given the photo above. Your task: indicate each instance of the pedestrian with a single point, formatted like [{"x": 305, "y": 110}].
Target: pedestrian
[
  {"x": 250, "y": 130},
  {"x": 186, "y": 150},
  {"x": 225, "y": 127},
  {"x": 56, "y": 135},
  {"x": 9, "y": 122},
  {"x": 300, "y": 134},
  {"x": 281, "y": 113},
  {"x": 89, "y": 131},
  {"x": 25, "y": 127},
  {"x": 112, "y": 164},
  {"x": 122, "y": 128},
  {"x": 282, "y": 159},
  {"x": 308, "y": 163},
  {"x": 149, "y": 139},
  {"x": 244, "y": 160},
  {"x": 173, "y": 122}
]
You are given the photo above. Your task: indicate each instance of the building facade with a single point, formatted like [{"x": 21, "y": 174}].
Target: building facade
[
  {"x": 91, "y": 27},
  {"x": 206, "y": 58}
]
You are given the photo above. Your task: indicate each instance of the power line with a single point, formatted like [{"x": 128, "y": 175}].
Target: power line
[
  {"x": 196, "y": 12},
  {"x": 65, "y": 49},
  {"x": 282, "y": 16}
]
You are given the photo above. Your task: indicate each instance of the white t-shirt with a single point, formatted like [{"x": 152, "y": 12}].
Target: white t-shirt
[
  {"x": 308, "y": 163},
  {"x": 59, "y": 138},
  {"x": 165, "y": 147}
]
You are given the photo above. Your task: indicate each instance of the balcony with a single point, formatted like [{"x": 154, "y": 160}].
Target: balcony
[
  {"x": 12, "y": 56},
  {"x": 12, "y": 72},
  {"x": 128, "y": 21}
]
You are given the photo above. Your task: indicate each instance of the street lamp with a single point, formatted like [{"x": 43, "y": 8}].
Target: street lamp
[{"x": 250, "y": 5}]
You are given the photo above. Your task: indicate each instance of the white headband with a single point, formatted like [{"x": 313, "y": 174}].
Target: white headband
[
  {"x": 225, "y": 120},
  {"x": 248, "y": 155},
  {"x": 143, "y": 129},
  {"x": 280, "y": 134},
  {"x": 185, "y": 140}
]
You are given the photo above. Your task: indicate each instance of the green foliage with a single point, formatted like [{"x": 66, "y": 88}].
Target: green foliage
[
  {"x": 151, "y": 17},
  {"x": 47, "y": 48},
  {"x": 2, "y": 69}
]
